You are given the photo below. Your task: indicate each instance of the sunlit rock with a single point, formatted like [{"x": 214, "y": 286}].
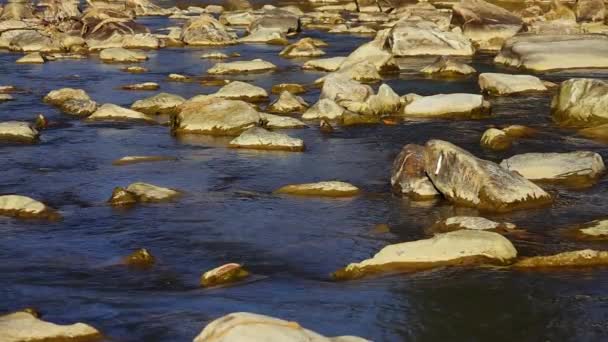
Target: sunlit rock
[
  {"x": 324, "y": 109},
  {"x": 216, "y": 117},
  {"x": 590, "y": 10},
  {"x": 467, "y": 180},
  {"x": 258, "y": 138},
  {"x": 112, "y": 112},
  {"x": 249, "y": 327},
  {"x": 375, "y": 52},
  {"x": 25, "y": 207},
  {"x": 162, "y": 103},
  {"x": 594, "y": 230},
  {"x": 225, "y": 274},
  {"x": 238, "y": 90},
  {"x": 140, "y": 258},
  {"x": 31, "y": 58},
  {"x": 273, "y": 36},
  {"x": 142, "y": 86},
  {"x": 135, "y": 69},
  {"x": 471, "y": 223},
  {"x": 339, "y": 87},
  {"x": 120, "y": 55},
  {"x": 214, "y": 55},
  {"x": 34, "y": 41},
  {"x": 141, "y": 192},
  {"x": 178, "y": 78},
  {"x": 581, "y": 102},
  {"x": 580, "y": 258},
  {"x": 305, "y": 47},
  {"x": 599, "y": 133},
  {"x": 288, "y": 103},
  {"x": 496, "y": 139},
  {"x": 448, "y": 105},
  {"x": 141, "y": 41},
  {"x": 256, "y": 65},
  {"x": 5, "y": 97},
  {"x": 293, "y": 88},
  {"x": 286, "y": 21},
  {"x": 128, "y": 160},
  {"x": 408, "y": 176},
  {"x": 24, "y": 327},
  {"x": 462, "y": 247},
  {"x": 16, "y": 131},
  {"x": 419, "y": 38},
  {"x": 206, "y": 30},
  {"x": 385, "y": 102},
  {"x": 324, "y": 64},
  {"x": 506, "y": 84},
  {"x": 321, "y": 189},
  {"x": 448, "y": 67},
  {"x": 363, "y": 71}
]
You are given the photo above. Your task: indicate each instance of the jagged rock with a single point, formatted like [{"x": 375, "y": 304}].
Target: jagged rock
[
  {"x": 288, "y": 103},
  {"x": 238, "y": 90},
  {"x": 120, "y": 55},
  {"x": 408, "y": 176},
  {"x": 31, "y": 58},
  {"x": 464, "y": 179},
  {"x": 256, "y": 65},
  {"x": 419, "y": 38},
  {"x": 248, "y": 327},
  {"x": 293, "y": 88},
  {"x": 216, "y": 117},
  {"x": 305, "y": 47},
  {"x": 16, "y": 131},
  {"x": 324, "y": 109},
  {"x": 25, "y": 207},
  {"x": 495, "y": 139},
  {"x": 280, "y": 121},
  {"x": 206, "y": 30},
  {"x": 375, "y": 52},
  {"x": 141, "y": 192},
  {"x": 578, "y": 168},
  {"x": 260, "y": 139},
  {"x": 140, "y": 159},
  {"x": 324, "y": 64},
  {"x": 470, "y": 223},
  {"x": 162, "y": 103},
  {"x": 142, "y": 86},
  {"x": 24, "y": 326},
  {"x": 448, "y": 105},
  {"x": 112, "y": 112},
  {"x": 581, "y": 258},
  {"x": 590, "y": 10},
  {"x": 506, "y": 84},
  {"x": 447, "y": 67},
  {"x": 323, "y": 189},
  {"x": 225, "y": 274},
  {"x": 581, "y": 102},
  {"x": 462, "y": 247},
  {"x": 552, "y": 52}
]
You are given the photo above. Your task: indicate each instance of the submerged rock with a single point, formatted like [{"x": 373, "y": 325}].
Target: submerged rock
[
  {"x": 464, "y": 179},
  {"x": 581, "y": 102},
  {"x": 260, "y": 139},
  {"x": 496, "y": 139},
  {"x": 140, "y": 159},
  {"x": 112, "y": 112},
  {"x": 162, "y": 103},
  {"x": 462, "y": 247},
  {"x": 256, "y": 65},
  {"x": 225, "y": 274},
  {"x": 448, "y": 105},
  {"x": 324, "y": 64},
  {"x": 206, "y": 30},
  {"x": 408, "y": 176},
  {"x": 470, "y": 223},
  {"x": 120, "y": 55},
  {"x": 419, "y": 38},
  {"x": 305, "y": 47},
  {"x": 25, "y": 207},
  {"x": 576, "y": 168},
  {"x": 293, "y": 88},
  {"x": 24, "y": 326},
  {"x": 505, "y": 84},
  {"x": 141, "y": 192},
  {"x": 249, "y": 327},
  {"x": 323, "y": 189},
  {"x": 594, "y": 230},
  {"x": 581, "y": 258},
  {"x": 214, "y": 55},
  {"x": 288, "y": 103},
  {"x": 16, "y": 131},
  {"x": 238, "y": 90},
  {"x": 447, "y": 67},
  {"x": 216, "y": 117},
  {"x": 142, "y": 86},
  {"x": 140, "y": 258}
]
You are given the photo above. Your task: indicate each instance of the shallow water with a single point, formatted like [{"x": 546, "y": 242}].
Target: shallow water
[{"x": 229, "y": 214}]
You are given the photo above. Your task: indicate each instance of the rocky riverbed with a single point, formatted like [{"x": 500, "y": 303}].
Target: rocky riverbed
[{"x": 297, "y": 171}]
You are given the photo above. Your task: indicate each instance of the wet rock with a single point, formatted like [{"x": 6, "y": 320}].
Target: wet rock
[
  {"x": 142, "y": 86},
  {"x": 339, "y": 87},
  {"x": 60, "y": 96},
  {"x": 260, "y": 139},
  {"x": 448, "y": 105},
  {"x": 238, "y": 90},
  {"x": 288, "y": 103},
  {"x": 280, "y": 121},
  {"x": 386, "y": 101},
  {"x": 576, "y": 168},
  {"x": 408, "y": 176},
  {"x": 470, "y": 223},
  {"x": 594, "y": 230},
  {"x": 598, "y": 133},
  {"x": 256, "y": 65},
  {"x": 206, "y": 30},
  {"x": 293, "y": 88},
  {"x": 135, "y": 69},
  {"x": 141, "y": 192},
  {"x": 464, "y": 179},
  {"x": 216, "y": 117},
  {"x": 324, "y": 109},
  {"x": 590, "y": 10},
  {"x": 238, "y": 18},
  {"x": 495, "y": 139},
  {"x": 140, "y": 258},
  {"x": 16, "y": 131},
  {"x": 325, "y": 127},
  {"x": 322, "y": 189},
  {"x": 120, "y": 55},
  {"x": 487, "y": 25},
  {"x": 162, "y": 103},
  {"x": 537, "y": 52},
  {"x": 5, "y": 97},
  {"x": 31, "y": 58},
  {"x": 273, "y": 36},
  {"x": 324, "y": 64},
  {"x": 447, "y": 67},
  {"x": 249, "y": 327},
  {"x": 24, "y": 326},
  {"x": 519, "y": 131},
  {"x": 112, "y": 112},
  {"x": 376, "y": 52},
  {"x": 581, "y": 102},
  {"x": 225, "y": 274},
  {"x": 581, "y": 258},
  {"x": 506, "y": 84},
  {"x": 419, "y": 38},
  {"x": 462, "y": 247},
  {"x": 178, "y": 78},
  {"x": 140, "y": 159},
  {"x": 34, "y": 41},
  {"x": 305, "y": 47},
  {"x": 25, "y": 207},
  {"x": 214, "y": 55}
]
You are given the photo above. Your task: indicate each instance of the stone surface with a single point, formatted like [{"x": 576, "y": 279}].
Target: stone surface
[
  {"x": 408, "y": 176},
  {"x": 293, "y": 88},
  {"x": 261, "y": 139},
  {"x": 162, "y": 103},
  {"x": 288, "y": 103},
  {"x": 448, "y": 67},
  {"x": 581, "y": 102},
  {"x": 495, "y": 139},
  {"x": 324, "y": 109},
  {"x": 127, "y": 160},
  {"x": 25, "y": 207},
  {"x": 16, "y": 131},
  {"x": 273, "y": 36},
  {"x": 25, "y": 327},
  {"x": 339, "y": 87},
  {"x": 142, "y": 86},
  {"x": 238, "y": 90},
  {"x": 112, "y": 112},
  {"x": 581, "y": 258},
  {"x": 448, "y": 105},
  {"x": 120, "y": 55},
  {"x": 470, "y": 223},
  {"x": 225, "y": 274},
  {"x": 216, "y": 117},
  {"x": 590, "y": 10},
  {"x": 419, "y": 38},
  {"x": 151, "y": 193},
  {"x": 324, "y": 189},
  {"x": 31, "y": 58},
  {"x": 206, "y": 30},
  {"x": 324, "y": 64},
  {"x": 280, "y": 121},
  {"x": 256, "y": 65},
  {"x": 305, "y": 47},
  {"x": 506, "y": 84}
]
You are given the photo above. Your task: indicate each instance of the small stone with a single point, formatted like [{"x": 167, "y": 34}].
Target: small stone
[
  {"x": 5, "y": 97},
  {"x": 142, "y": 86},
  {"x": 16, "y": 131},
  {"x": 120, "y": 55},
  {"x": 322, "y": 189},
  {"x": 178, "y": 78},
  {"x": 496, "y": 139},
  {"x": 140, "y": 258},
  {"x": 135, "y": 69},
  {"x": 256, "y": 65},
  {"x": 25, "y": 207},
  {"x": 293, "y": 88},
  {"x": 112, "y": 112},
  {"x": 140, "y": 159},
  {"x": 226, "y": 274},
  {"x": 288, "y": 103},
  {"x": 581, "y": 258}
]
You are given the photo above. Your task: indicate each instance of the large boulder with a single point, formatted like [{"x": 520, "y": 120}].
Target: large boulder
[
  {"x": 25, "y": 207},
  {"x": 112, "y": 112},
  {"x": 249, "y": 327},
  {"x": 375, "y": 52},
  {"x": 206, "y": 30},
  {"x": 216, "y": 116},
  {"x": 162, "y": 103},
  {"x": 448, "y": 105},
  {"x": 552, "y": 52},
  {"x": 579, "y": 168},
  {"x": 487, "y": 25},
  {"x": 467, "y": 180},
  {"x": 419, "y": 38},
  {"x": 260, "y": 139},
  {"x": 408, "y": 176},
  {"x": 590, "y": 10},
  {"x": 506, "y": 84},
  {"x": 24, "y": 326},
  {"x": 581, "y": 102},
  {"x": 256, "y": 65},
  {"x": 462, "y": 247},
  {"x": 17, "y": 131}
]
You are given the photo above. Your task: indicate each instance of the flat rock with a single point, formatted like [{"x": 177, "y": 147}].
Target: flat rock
[
  {"x": 6, "y": 97},
  {"x": 273, "y": 36},
  {"x": 453, "y": 248},
  {"x": 580, "y": 258},
  {"x": 261, "y": 139},
  {"x": 581, "y": 102},
  {"x": 256, "y": 65},
  {"x": 470, "y": 223},
  {"x": 120, "y": 55},
  {"x": 420, "y": 38},
  {"x": 23, "y": 327},
  {"x": 16, "y": 131},
  {"x": 216, "y": 117},
  {"x": 112, "y": 112},
  {"x": 581, "y": 167},
  {"x": 25, "y": 207},
  {"x": 142, "y": 86},
  {"x": 448, "y": 105},
  {"x": 31, "y": 58},
  {"x": 324, "y": 64},
  {"x": 496, "y": 139},
  {"x": 281, "y": 121},
  {"x": 305, "y": 47},
  {"x": 127, "y": 160},
  {"x": 293, "y": 88},
  {"x": 162, "y": 103},
  {"x": 244, "y": 91},
  {"x": 467, "y": 180},
  {"x": 506, "y": 84},
  {"x": 288, "y": 103},
  {"x": 249, "y": 327},
  {"x": 448, "y": 67},
  {"x": 323, "y": 189},
  {"x": 339, "y": 87}
]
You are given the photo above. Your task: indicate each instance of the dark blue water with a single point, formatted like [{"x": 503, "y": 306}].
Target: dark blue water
[{"x": 229, "y": 214}]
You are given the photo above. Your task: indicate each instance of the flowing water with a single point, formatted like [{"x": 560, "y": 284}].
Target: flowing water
[{"x": 67, "y": 269}]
